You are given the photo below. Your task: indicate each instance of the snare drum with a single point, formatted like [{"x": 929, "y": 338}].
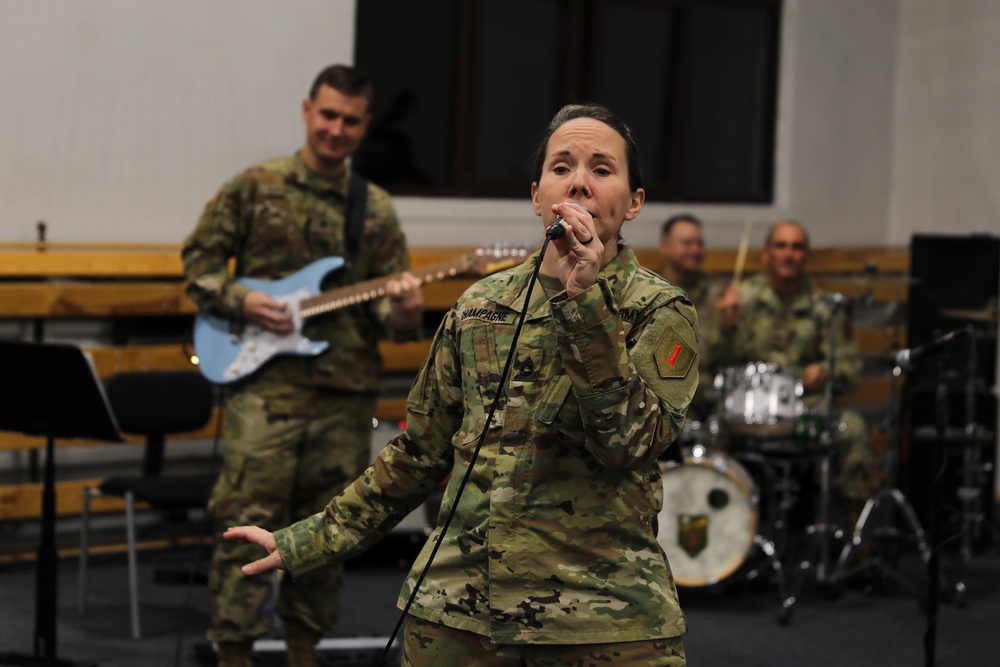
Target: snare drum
[
  {"x": 760, "y": 399},
  {"x": 709, "y": 517}
]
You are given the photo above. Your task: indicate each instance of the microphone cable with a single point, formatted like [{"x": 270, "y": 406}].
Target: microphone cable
[{"x": 556, "y": 230}]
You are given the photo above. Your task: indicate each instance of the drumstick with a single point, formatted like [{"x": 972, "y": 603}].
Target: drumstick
[{"x": 741, "y": 254}]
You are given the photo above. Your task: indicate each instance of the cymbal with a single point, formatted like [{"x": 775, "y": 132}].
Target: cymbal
[{"x": 987, "y": 314}]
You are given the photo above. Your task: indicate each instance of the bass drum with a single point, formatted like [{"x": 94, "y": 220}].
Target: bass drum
[{"x": 709, "y": 516}]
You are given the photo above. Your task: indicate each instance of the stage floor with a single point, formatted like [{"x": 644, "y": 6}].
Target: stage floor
[{"x": 736, "y": 623}]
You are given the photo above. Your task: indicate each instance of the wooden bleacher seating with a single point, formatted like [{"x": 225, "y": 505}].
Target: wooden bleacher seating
[{"x": 42, "y": 283}]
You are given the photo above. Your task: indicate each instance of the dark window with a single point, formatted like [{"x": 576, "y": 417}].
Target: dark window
[{"x": 464, "y": 87}]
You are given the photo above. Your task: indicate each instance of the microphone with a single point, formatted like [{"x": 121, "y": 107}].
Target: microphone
[
  {"x": 906, "y": 358},
  {"x": 557, "y": 229}
]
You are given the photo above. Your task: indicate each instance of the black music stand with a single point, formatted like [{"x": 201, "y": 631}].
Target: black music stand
[{"x": 50, "y": 390}]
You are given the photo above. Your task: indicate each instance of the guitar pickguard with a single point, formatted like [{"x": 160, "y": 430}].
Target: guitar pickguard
[
  {"x": 225, "y": 356},
  {"x": 257, "y": 344}
]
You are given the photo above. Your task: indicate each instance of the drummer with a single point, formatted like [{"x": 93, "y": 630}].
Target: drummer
[
  {"x": 781, "y": 317},
  {"x": 682, "y": 252}
]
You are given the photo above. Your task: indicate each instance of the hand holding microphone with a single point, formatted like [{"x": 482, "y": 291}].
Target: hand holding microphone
[
  {"x": 557, "y": 229},
  {"x": 577, "y": 260}
]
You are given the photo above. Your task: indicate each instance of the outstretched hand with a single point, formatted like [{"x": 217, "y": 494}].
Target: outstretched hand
[{"x": 262, "y": 538}]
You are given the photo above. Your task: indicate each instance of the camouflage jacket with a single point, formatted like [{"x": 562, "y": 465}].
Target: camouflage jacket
[
  {"x": 274, "y": 219},
  {"x": 791, "y": 330},
  {"x": 703, "y": 292},
  {"x": 553, "y": 539}
]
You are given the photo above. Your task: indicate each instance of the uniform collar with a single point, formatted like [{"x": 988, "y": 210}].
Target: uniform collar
[
  {"x": 301, "y": 175},
  {"x": 800, "y": 299},
  {"x": 613, "y": 278}
]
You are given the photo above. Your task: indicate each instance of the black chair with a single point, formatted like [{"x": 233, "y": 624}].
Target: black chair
[{"x": 154, "y": 404}]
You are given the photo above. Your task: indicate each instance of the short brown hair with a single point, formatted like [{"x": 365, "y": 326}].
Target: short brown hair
[{"x": 347, "y": 80}]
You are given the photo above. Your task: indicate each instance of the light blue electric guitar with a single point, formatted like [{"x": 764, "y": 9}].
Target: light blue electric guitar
[{"x": 228, "y": 352}]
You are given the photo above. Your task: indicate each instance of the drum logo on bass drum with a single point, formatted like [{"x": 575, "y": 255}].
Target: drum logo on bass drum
[{"x": 692, "y": 533}]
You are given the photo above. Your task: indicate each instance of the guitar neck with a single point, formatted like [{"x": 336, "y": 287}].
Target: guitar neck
[{"x": 368, "y": 290}]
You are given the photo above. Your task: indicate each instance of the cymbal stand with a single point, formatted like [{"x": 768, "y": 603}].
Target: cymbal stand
[
  {"x": 816, "y": 557},
  {"x": 889, "y": 493}
]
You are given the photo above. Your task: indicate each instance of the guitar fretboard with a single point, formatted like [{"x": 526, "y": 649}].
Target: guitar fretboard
[{"x": 367, "y": 290}]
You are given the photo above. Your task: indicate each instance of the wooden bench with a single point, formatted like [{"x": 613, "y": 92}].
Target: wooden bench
[{"x": 42, "y": 284}]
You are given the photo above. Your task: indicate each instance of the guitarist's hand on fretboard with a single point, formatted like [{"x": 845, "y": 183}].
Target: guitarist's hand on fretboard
[
  {"x": 406, "y": 300},
  {"x": 259, "y": 308}
]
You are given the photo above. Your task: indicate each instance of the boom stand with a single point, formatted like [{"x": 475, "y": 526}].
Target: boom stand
[
  {"x": 889, "y": 493},
  {"x": 50, "y": 390},
  {"x": 816, "y": 557}
]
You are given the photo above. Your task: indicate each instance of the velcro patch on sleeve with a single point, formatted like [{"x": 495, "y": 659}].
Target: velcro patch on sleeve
[{"x": 675, "y": 354}]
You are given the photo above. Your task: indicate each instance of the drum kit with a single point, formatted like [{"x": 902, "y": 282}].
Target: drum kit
[
  {"x": 741, "y": 474},
  {"x": 746, "y": 467},
  {"x": 728, "y": 506}
]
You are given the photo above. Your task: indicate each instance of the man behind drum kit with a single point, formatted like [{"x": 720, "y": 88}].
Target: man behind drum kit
[
  {"x": 682, "y": 253},
  {"x": 781, "y": 317}
]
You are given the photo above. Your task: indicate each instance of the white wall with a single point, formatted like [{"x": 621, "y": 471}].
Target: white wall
[
  {"x": 122, "y": 118},
  {"x": 946, "y": 139}
]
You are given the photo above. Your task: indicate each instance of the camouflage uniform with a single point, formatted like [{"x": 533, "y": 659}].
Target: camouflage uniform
[
  {"x": 427, "y": 644},
  {"x": 703, "y": 291},
  {"x": 793, "y": 331},
  {"x": 298, "y": 430},
  {"x": 553, "y": 540}
]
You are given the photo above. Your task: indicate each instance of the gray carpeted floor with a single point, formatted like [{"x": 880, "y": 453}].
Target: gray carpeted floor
[{"x": 733, "y": 624}]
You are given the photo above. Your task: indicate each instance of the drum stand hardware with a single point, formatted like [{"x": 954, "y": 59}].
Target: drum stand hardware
[
  {"x": 972, "y": 514},
  {"x": 889, "y": 493},
  {"x": 766, "y": 547},
  {"x": 816, "y": 557},
  {"x": 781, "y": 489}
]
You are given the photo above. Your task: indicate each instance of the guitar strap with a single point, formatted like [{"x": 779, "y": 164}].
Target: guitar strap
[{"x": 354, "y": 219}]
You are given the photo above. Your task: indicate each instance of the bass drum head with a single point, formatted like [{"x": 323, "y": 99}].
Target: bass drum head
[{"x": 709, "y": 517}]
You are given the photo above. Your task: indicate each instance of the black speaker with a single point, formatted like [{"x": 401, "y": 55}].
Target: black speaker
[
  {"x": 953, "y": 288},
  {"x": 953, "y": 285}
]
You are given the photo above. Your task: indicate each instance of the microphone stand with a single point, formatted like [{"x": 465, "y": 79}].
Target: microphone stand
[
  {"x": 933, "y": 561},
  {"x": 889, "y": 493}
]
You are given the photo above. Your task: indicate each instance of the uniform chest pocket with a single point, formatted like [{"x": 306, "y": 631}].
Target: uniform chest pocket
[{"x": 275, "y": 228}]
